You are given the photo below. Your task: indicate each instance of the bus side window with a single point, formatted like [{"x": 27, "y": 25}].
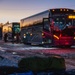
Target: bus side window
[{"x": 46, "y": 24}]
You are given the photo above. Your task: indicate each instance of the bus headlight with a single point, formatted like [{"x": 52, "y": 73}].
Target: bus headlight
[
  {"x": 31, "y": 34},
  {"x": 24, "y": 36},
  {"x": 42, "y": 34},
  {"x": 56, "y": 37},
  {"x": 42, "y": 42},
  {"x": 14, "y": 37}
]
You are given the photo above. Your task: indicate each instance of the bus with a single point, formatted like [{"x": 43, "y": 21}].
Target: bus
[
  {"x": 10, "y": 31},
  {"x": 53, "y": 27}
]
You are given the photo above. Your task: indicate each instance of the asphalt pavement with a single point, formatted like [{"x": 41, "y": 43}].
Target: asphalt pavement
[{"x": 8, "y": 50}]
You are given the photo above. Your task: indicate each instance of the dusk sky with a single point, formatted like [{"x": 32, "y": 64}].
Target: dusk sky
[{"x": 14, "y": 10}]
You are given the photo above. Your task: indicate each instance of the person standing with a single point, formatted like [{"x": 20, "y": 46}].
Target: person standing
[
  {"x": 5, "y": 37},
  {"x": 17, "y": 38}
]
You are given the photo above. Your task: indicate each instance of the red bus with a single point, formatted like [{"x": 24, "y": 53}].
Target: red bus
[{"x": 54, "y": 27}]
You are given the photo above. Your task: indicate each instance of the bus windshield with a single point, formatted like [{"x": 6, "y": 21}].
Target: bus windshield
[{"x": 61, "y": 22}]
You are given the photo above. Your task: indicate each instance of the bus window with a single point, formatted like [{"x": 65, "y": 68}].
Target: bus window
[
  {"x": 59, "y": 22},
  {"x": 73, "y": 22},
  {"x": 9, "y": 29},
  {"x": 46, "y": 24}
]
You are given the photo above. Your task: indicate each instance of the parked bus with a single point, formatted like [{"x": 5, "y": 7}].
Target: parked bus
[
  {"x": 54, "y": 27},
  {"x": 10, "y": 31}
]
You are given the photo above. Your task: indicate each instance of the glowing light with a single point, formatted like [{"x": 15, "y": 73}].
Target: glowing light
[
  {"x": 14, "y": 37},
  {"x": 14, "y": 53},
  {"x": 42, "y": 34},
  {"x": 24, "y": 34},
  {"x": 60, "y": 9},
  {"x": 64, "y": 9},
  {"x": 60, "y": 35},
  {"x": 31, "y": 34},
  {"x": 71, "y": 16},
  {"x": 74, "y": 17},
  {"x": 74, "y": 38},
  {"x": 53, "y": 10},
  {"x": 66, "y": 43},
  {"x": 67, "y": 10},
  {"x": 74, "y": 10},
  {"x": 56, "y": 37}
]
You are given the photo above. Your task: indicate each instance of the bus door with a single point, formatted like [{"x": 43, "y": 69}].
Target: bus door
[
  {"x": 47, "y": 36},
  {"x": 16, "y": 32}
]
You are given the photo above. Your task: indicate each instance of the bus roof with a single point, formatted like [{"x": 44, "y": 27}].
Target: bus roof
[{"x": 56, "y": 10}]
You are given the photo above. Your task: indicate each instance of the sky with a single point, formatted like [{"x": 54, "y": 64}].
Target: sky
[{"x": 15, "y": 10}]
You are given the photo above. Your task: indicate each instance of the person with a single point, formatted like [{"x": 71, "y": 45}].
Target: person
[
  {"x": 17, "y": 38},
  {"x": 5, "y": 37}
]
